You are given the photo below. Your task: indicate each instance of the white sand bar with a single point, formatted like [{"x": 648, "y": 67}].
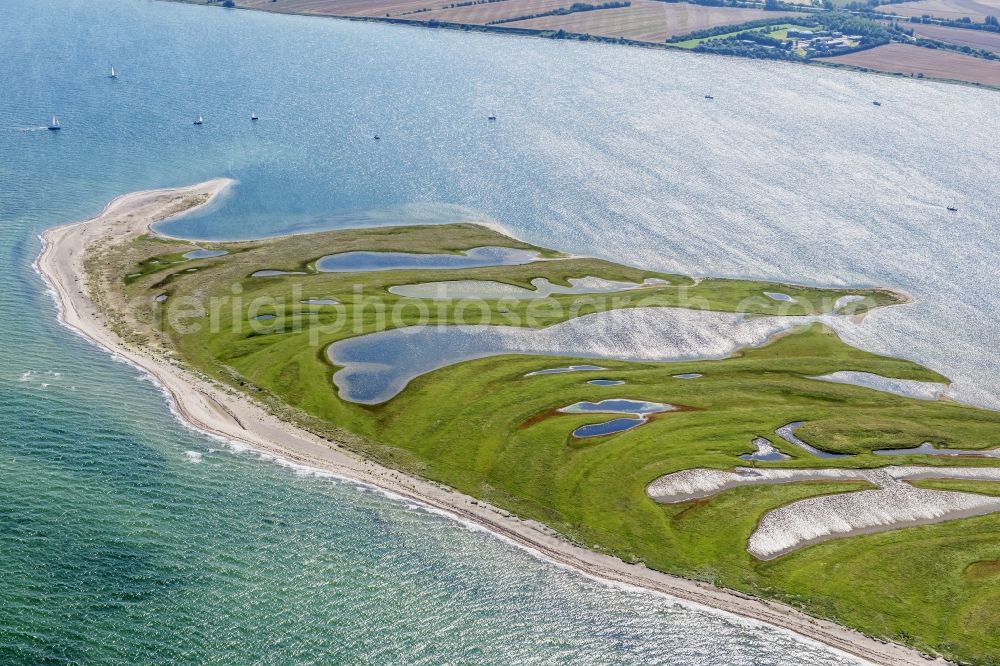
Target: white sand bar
[{"x": 893, "y": 505}]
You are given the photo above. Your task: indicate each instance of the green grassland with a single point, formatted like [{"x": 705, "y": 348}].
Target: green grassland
[
  {"x": 777, "y": 31},
  {"x": 485, "y": 429}
]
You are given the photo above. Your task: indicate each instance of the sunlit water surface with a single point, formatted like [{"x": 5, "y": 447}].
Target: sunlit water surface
[{"x": 125, "y": 538}]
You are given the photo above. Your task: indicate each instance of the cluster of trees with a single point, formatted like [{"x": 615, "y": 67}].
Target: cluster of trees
[
  {"x": 470, "y": 3},
  {"x": 849, "y": 24},
  {"x": 753, "y": 40},
  {"x": 859, "y": 5},
  {"x": 562, "y": 11},
  {"x": 746, "y": 4},
  {"x": 753, "y": 44},
  {"x": 967, "y": 50},
  {"x": 724, "y": 29},
  {"x": 990, "y": 25}
]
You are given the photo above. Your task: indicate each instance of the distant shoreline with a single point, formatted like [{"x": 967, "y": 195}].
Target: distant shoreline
[
  {"x": 222, "y": 412},
  {"x": 504, "y": 29}
]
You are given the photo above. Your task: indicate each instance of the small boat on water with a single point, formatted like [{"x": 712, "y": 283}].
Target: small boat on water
[
  {"x": 253, "y": 116},
  {"x": 953, "y": 209},
  {"x": 199, "y": 121},
  {"x": 112, "y": 75},
  {"x": 877, "y": 103},
  {"x": 491, "y": 118},
  {"x": 54, "y": 125},
  {"x": 377, "y": 137},
  {"x": 709, "y": 97}
]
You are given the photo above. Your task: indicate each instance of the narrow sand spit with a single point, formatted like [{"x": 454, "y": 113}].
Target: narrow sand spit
[
  {"x": 218, "y": 411},
  {"x": 893, "y": 505}
]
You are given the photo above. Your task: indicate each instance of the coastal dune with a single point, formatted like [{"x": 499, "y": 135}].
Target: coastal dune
[{"x": 222, "y": 412}]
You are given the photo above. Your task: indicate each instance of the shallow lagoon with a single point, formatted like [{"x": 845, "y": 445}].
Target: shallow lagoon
[
  {"x": 377, "y": 366},
  {"x": 204, "y": 254},
  {"x": 542, "y": 288},
  {"x": 908, "y": 388},
  {"x": 787, "y": 433},
  {"x": 348, "y": 262},
  {"x": 569, "y": 368},
  {"x": 637, "y": 410}
]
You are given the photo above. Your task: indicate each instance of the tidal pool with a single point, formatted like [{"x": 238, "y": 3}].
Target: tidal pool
[
  {"x": 492, "y": 290},
  {"x": 377, "y": 366},
  {"x": 609, "y": 427},
  {"x": 777, "y": 296},
  {"x": 765, "y": 452},
  {"x": 320, "y": 301},
  {"x": 349, "y": 262},
  {"x": 909, "y": 388},
  {"x": 204, "y": 254},
  {"x": 617, "y": 406},
  {"x": 606, "y": 382},
  {"x": 787, "y": 433},
  {"x": 568, "y": 368},
  {"x": 687, "y": 375},
  {"x": 844, "y": 301},
  {"x": 271, "y": 273},
  {"x": 637, "y": 412}
]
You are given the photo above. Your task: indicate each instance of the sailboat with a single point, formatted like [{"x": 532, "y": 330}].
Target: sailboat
[
  {"x": 199, "y": 121},
  {"x": 253, "y": 116},
  {"x": 54, "y": 125},
  {"x": 112, "y": 75}
]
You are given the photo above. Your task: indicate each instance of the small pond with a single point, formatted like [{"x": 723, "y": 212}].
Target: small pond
[
  {"x": 787, "y": 433},
  {"x": 765, "y": 452},
  {"x": 204, "y": 254},
  {"x": 568, "y": 368},
  {"x": 636, "y": 412},
  {"x": 272, "y": 273}
]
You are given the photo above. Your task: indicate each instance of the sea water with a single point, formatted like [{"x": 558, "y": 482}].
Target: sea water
[{"x": 120, "y": 545}]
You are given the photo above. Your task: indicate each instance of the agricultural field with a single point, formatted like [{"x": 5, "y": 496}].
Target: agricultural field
[
  {"x": 369, "y": 8},
  {"x": 916, "y": 61},
  {"x": 529, "y": 457},
  {"x": 644, "y": 20},
  {"x": 977, "y": 39},
  {"x": 952, "y": 10},
  {"x": 648, "y": 20},
  {"x": 491, "y": 12}
]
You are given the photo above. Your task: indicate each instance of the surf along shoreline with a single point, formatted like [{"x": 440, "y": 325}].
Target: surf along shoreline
[{"x": 222, "y": 412}]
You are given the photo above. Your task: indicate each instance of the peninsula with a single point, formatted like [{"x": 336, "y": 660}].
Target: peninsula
[{"x": 528, "y": 419}]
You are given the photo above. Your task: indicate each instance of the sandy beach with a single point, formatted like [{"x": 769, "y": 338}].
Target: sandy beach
[{"x": 220, "y": 411}]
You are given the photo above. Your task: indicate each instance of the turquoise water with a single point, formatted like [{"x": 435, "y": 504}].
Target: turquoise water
[{"x": 125, "y": 538}]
